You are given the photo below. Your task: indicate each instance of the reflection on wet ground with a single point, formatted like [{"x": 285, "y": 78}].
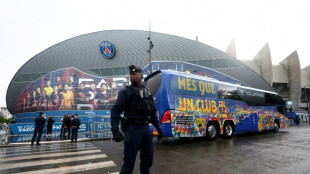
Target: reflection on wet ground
[{"x": 265, "y": 152}]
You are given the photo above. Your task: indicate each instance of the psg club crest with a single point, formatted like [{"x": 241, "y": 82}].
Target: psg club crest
[{"x": 107, "y": 49}]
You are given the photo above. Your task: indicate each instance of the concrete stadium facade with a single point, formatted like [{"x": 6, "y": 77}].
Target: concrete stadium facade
[{"x": 287, "y": 78}]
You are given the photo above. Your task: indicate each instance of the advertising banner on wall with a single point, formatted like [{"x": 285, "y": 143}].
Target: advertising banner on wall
[
  {"x": 29, "y": 128},
  {"x": 70, "y": 89}
]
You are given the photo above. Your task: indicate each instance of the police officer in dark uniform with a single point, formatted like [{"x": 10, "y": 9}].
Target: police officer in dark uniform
[
  {"x": 67, "y": 125},
  {"x": 137, "y": 103},
  {"x": 40, "y": 123},
  {"x": 75, "y": 124}
]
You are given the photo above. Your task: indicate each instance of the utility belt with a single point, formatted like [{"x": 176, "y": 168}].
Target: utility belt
[
  {"x": 125, "y": 122},
  {"x": 137, "y": 122}
]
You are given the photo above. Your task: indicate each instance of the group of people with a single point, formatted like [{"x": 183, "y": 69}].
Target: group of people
[
  {"x": 67, "y": 124},
  {"x": 69, "y": 96}
]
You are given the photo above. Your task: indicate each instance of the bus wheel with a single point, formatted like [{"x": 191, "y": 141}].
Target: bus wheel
[
  {"x": 212, "y": 131},
  {"x": 228, "y": 130},
  {"x": 276, "y": 126}
]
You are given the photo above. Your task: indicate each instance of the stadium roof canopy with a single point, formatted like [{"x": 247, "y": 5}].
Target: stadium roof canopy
[{"x": 82, "y": 52}]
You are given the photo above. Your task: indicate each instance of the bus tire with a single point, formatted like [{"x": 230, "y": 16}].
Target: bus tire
[
  {"x": 211, "y": 131},
  {"x": 276, "y": 126},
  {"x": 229, "y": 129}
]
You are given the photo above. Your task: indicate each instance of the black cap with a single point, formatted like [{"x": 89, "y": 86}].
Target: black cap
[{"x": 133, "y": 68}]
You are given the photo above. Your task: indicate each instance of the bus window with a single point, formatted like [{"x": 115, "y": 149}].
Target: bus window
[
  {"x": 153, "y": 83},
  {"x": 252, "y": 97},
  {"x": 228, "y": 92},
  {"x": 280, "y": 101},
  {"x": 271, "y": 99}
]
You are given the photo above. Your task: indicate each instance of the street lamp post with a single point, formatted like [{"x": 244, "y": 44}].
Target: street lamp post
[{"x": 149, "y": 50}]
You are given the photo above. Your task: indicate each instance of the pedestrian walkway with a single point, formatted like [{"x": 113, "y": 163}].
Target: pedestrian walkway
[{"x": 55, "y": 158}]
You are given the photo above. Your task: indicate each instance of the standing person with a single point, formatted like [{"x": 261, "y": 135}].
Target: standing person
[
  {"x": 27, "y": 105},
  {"x": 93, "y": 95},
  {"x": 114, "y": 93},
  {"x": 49, "y": 126},
  {"x": 40, "y": 122},
  {"x": 81, "y": 99},
  {"x": 44, "y": 101},
  {"x": 68, "y": 99},
  {"x": 59, "y": 83},
  {"x": 55, "y": 99},
  {"x": 38, "y": 97},
  {"x": 67, "y": 124},
  {"x": 103, "y": 97},
  {"x": 137, "y": 103},
  {"x": 72, "y": 84},
  {"x": 62, "y": 125},
  {"x": 34, "y": 101},
  {"x": 75, "y": 124},
  {"x": 48, "y": 88}
]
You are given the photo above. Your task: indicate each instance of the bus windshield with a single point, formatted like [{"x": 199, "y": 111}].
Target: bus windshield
[{"x": 153, "y": 83}]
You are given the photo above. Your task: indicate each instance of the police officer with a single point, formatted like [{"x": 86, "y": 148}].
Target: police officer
[
  {"x": 137, "y": 103},
  {"x": 75, "y": 124},
  {"x": 49, "y": 127},
  {"x": 62, "y": 126},
  {"x": 67, "y": 125},
  {"x": 40, "y": 122}
]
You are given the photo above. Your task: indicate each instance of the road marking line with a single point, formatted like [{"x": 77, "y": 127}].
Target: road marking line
[
  {"x": 77, "y": 168},
  {"x": 46, "y": 145},
  {"x": 48, "y": 142},
  {"x": 48, "y": 155},
  {"x": 52, "y": 161},
  {"x": 36, "y": 149},
  {"x": 54, "y": 150}
]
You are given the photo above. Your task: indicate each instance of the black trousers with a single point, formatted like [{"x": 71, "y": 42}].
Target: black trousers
[
  {"x": 74, "y": 134},
  {"x": 137, "y": 138},
  {"x": 66, "y": 130},
  {"x": 61, "y": 131},
  {"x": 49, "y": 130},
  {"x": 36, "y": 131}
]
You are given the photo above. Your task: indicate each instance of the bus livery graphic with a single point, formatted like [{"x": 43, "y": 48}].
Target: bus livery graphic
[{"x": 195, "y": 106}]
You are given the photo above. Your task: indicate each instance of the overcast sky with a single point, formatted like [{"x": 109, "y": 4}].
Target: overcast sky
[{"x": 28, "y": 27}]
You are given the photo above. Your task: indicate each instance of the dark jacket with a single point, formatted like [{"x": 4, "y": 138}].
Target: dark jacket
[
  {"x": 67, "y": 122},
  {"x": 40, "y": 122},
  {"x": 75, "y": 122},
  {"x": 50, "y": 122},
  {"x": 123, "y": 99}
]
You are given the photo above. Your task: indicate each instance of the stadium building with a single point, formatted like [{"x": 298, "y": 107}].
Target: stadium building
[{"x": 83, "y": 74}]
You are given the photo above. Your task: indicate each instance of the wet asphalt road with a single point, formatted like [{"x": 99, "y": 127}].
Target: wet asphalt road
[{"x": 287, "y": 151}]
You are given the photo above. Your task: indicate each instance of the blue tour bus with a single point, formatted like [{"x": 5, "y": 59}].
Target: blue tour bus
[{"x": 194, "y": 106}]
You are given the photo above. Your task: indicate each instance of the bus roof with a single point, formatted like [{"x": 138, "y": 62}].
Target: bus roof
[{"x": 204, "y": 78}]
